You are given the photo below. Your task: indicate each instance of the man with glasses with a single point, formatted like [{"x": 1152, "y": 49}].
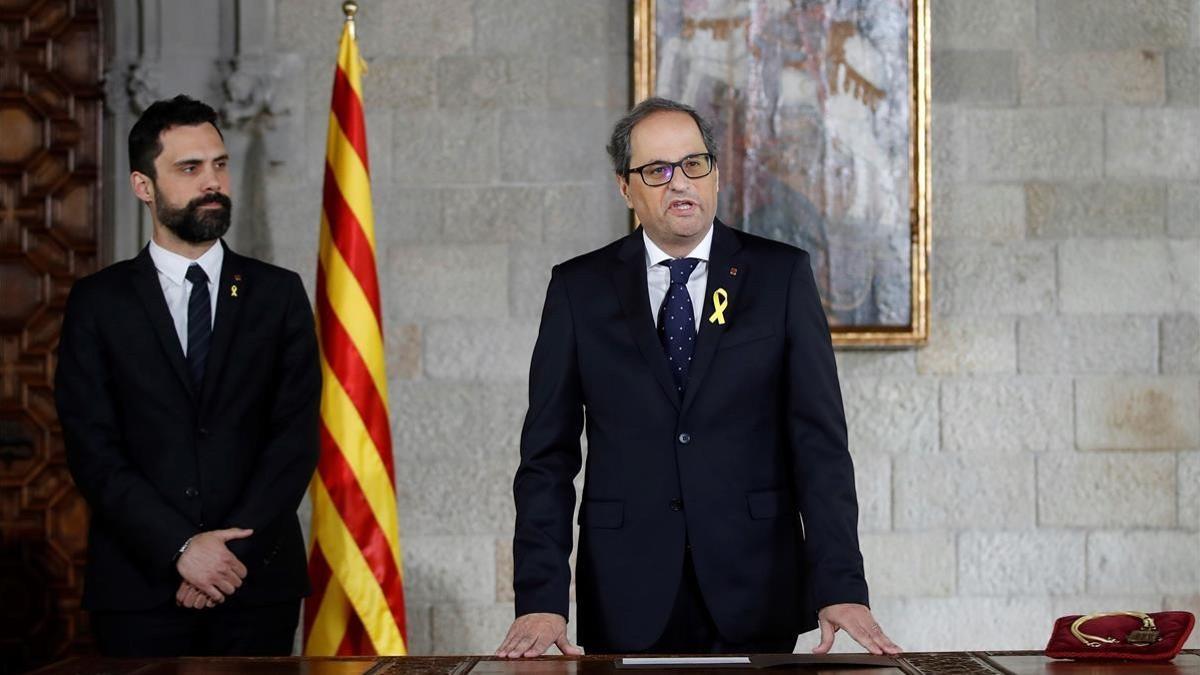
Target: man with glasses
[{"x": 719, "y": 513}]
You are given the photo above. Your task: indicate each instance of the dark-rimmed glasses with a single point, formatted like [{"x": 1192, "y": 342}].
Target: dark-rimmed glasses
[{"x": 695, "y": 166}]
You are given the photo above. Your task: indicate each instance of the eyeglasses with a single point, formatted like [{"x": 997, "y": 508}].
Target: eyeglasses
[{"x": 695, "y": 166}]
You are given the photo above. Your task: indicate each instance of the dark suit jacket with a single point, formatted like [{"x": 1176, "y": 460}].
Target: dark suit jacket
[
  {"x": 757, "y": 442},
  {"x": 158, "y": 462}
]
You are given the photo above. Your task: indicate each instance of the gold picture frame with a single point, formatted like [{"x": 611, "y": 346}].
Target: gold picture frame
[{"x": 913, "y": 330}]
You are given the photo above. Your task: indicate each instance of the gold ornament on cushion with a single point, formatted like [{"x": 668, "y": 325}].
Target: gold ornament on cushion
[{"x": 1146, "y": 635}]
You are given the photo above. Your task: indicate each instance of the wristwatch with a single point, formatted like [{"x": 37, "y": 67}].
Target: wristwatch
[{"x": 183, "y": 548}]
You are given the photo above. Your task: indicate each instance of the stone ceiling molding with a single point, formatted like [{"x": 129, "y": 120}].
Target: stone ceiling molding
[
  {"x": 143, "y": 85},
  {"x": 262, "y": 93}
]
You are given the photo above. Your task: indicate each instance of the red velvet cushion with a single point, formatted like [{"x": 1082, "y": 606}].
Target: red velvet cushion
[{"x": 1173, "y": 630}]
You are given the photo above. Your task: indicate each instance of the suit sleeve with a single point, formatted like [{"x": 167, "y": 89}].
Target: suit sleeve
[
  {"x": 289, "y": 457},
  {"x": 116, "y": 491},
  {"x": 824, "y": 472},
  {"x": 544, "y": 487}
]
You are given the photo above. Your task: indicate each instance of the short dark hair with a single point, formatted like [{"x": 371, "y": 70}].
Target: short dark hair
[
  {"x": 145, "y": 142},
  {"x": 618, "y": 148}
]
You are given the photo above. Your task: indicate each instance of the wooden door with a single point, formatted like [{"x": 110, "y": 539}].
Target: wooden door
[{"x": 51, "y": 112}]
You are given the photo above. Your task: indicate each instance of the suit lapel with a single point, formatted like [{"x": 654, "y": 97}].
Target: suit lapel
[
  {"x": 629, "y": 276},
  {"x": 230, "y": 296},
  {"x": 149, "y": 291},
  {"x": 722, "y": 259}
]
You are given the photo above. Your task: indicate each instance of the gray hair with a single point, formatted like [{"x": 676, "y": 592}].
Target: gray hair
[{"x": 618, "y": 148}]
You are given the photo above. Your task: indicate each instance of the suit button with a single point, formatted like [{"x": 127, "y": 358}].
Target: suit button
[
  {"x": 685, "y": 438},
  {"x": 191, "y": 492},
  {"x": 676, "y": 504},
  {"x": 202, "y": 432}
]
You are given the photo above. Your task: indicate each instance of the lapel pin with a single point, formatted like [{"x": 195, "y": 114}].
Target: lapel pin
[
  {"x": 233, "y": 291},
  {"x": 720, "y": 303},
  {"x": 733, "y": 271}
]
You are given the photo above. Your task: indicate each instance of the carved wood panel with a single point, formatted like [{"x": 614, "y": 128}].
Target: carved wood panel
[{"x": 50, "y": 122}]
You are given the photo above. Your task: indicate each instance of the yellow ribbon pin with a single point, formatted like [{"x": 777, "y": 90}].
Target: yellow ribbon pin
[
  {"x": 233, "y": 291},
  {"x": 721, "y": 303}
]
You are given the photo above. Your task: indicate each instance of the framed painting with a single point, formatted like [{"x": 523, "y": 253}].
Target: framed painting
[{"x": 821, "y": 111}]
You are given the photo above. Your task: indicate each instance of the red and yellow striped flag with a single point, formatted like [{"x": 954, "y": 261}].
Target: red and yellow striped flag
[{"x": 357, "y": 606}]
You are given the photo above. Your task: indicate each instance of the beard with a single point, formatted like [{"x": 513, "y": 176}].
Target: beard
[{"x": 194, "y": 224}]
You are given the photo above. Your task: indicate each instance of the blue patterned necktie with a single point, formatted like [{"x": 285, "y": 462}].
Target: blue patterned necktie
[
  {"x": 676, "y": 320},
  {"x": 199, "y": 324}
]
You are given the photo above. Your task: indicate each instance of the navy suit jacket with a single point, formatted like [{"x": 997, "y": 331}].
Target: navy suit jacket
[
  {"x": 158, "y": 461},
  {"x": 749, "y": 467}
]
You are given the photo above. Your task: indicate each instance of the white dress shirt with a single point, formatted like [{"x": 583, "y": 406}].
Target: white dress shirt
[
  {"x": 172, "y": 270},
  {"x": 658, "y": 277}
]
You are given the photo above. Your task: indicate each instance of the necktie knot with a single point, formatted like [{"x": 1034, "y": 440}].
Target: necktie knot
[
  {"x": 681, "y": 269},
  {"x": 195, "y": 274}
]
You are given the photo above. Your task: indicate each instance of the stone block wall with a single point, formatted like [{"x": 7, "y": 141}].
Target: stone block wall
[
  {"x": 1064, "y": 344},
  {"x": 1040, "y": 456}
]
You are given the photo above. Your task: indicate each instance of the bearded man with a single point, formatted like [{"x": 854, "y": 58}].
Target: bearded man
[{"x": 188, "y": 390}]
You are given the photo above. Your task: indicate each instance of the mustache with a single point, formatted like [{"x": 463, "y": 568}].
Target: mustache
[{"x": 213, "y": 198}]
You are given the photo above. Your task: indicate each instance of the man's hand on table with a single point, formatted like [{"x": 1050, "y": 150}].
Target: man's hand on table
[
  {"x": 856, "y": 620},
  {"x": 532, "y": 634}
]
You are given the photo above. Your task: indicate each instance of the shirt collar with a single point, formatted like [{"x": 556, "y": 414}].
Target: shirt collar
[
  {"x": 174, "y": 266},
  {"x": 655, "y": 255}
]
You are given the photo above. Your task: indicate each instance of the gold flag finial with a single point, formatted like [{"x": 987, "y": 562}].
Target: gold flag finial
[{"x": 350, "y": 8}]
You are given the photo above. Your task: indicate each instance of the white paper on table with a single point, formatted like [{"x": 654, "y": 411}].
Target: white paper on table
[{"x": 686, "y": 661}]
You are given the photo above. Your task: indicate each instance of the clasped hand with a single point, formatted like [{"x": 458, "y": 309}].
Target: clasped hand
[{"x": 210, "y": 571}]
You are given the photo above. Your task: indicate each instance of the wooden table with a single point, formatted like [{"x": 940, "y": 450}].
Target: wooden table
[{"x": 955, "y": 663}]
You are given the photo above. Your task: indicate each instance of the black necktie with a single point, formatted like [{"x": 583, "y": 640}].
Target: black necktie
[
  {"x": 199, "y": 323},
  {"x": 676, "y": 320}
]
